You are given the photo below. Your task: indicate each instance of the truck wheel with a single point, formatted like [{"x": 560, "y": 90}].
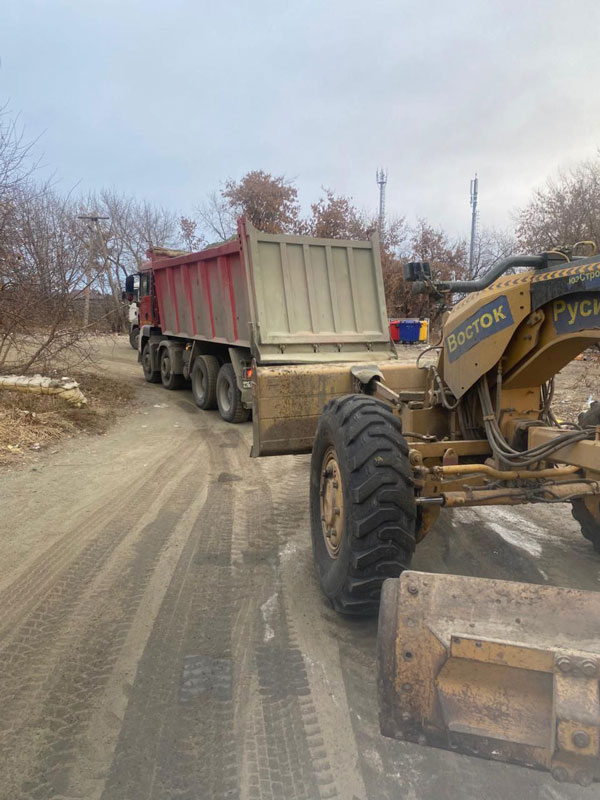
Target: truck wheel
[
  {"x": 170, "y": 379},
  {"x": 362, "y": 502},
  {"x": 204, "y": 381},
  {"x": 229, "y": 400},
  {"x": 151, "y": 375},
  {"x": 590, "y": 527},
  {"x": 134, "y": 338}
]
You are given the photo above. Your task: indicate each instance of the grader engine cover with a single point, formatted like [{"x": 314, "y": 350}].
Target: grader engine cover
[
  {"x": 481, "y": 326},
  {"x": 502, "y": 670}
]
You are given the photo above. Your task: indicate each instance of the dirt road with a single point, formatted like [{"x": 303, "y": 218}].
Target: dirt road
[{"x": 163, "y": 636}]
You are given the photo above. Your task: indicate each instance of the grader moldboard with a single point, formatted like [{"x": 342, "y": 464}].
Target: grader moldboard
[{"x": 503, "y": 670}]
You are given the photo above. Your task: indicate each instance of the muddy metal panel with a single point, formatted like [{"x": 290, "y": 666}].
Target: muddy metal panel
[
  {"x": 288, "y": 400},
  {"x": 498, "y": 669},
  {"x": 315, "y": 296},
  {"x": 204, "y": 295}
]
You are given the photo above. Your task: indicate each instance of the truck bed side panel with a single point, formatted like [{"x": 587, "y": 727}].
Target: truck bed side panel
[{"x": 204, "y": 295}]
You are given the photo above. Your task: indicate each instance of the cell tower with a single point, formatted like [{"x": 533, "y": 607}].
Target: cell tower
[
  {"x": 474, "y": 194},
  {"x": 381, "y": 178}
]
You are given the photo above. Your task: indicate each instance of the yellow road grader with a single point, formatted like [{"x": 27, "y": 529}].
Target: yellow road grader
[
  {"x": 498, "y": 669},
  {"x": 295, "y": 329},
  {"x": 503, "y": 670}
]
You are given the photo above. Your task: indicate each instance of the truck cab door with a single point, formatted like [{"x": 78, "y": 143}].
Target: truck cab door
[{"x": 147, "y": 312}]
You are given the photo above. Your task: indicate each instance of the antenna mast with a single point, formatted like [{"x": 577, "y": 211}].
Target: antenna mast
[
  {"x": 381, "y": 178},
  {"x": 474, "y": 194}
]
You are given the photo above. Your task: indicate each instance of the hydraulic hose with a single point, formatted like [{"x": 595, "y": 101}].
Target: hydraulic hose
[
  {"x": 420, "y": 287},
  {"x": 503, "y": 451}
]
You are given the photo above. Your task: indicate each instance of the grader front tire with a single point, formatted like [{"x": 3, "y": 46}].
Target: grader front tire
[{"x": 362, "y": 502}]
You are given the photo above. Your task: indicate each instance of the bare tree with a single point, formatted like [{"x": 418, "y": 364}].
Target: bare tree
[
  {"x": 43, "y": 274},
  {"x": 121, "y": 242},
  {"x": 16, "y": 166},
  {"x": 564, "y": 211},
  {"x": 216, "y": 217},
  {"x": 491, "y": 246}
]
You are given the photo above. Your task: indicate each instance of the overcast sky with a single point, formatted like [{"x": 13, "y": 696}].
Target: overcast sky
[{"x": 165, "y": 100}]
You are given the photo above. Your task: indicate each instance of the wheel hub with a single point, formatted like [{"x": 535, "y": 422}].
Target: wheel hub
[{"x": 332, "y": 503}]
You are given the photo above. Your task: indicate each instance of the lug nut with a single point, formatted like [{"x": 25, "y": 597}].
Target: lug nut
[
  {"x": 589, "y": 668},
  {"x": 413, "y": 588},
  {"x": 564, "y": 664},
  {"x": 581, "y": 739}
]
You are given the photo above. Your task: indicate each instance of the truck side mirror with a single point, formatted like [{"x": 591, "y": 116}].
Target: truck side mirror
[
  {"x": 417, "y": 271},
  {"x": 129, "y": 287}
]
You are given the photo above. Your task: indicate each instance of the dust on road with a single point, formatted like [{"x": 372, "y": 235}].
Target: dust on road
[{"x": 163, "y": 635}]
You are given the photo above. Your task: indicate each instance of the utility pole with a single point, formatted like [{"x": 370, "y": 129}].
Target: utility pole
[
  {"x": 93, "y": 220},
  {"x": 381, "y": 179},
  {"x": 474, "y": 194}
]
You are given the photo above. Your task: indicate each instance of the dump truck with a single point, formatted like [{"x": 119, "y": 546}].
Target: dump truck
[
  {"x": 502, "y": 670},
  {"x": 214, "y": 316}
]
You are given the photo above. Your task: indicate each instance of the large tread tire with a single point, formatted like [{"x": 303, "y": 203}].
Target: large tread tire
[
  {"x": 205, "y": 372},
  {"x": 229, "y": 399},
  {"x": 151, "y": 375},
  {"x": 134, "y": 337},
  {"x": 379, "y": 510},
  {"x": 170, "y": 379},
  {"x": 590, "y": 527}
]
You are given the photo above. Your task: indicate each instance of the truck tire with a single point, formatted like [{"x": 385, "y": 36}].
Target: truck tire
[
  {"x": 362, "y": 502},
  {"x": 134, "y": 337},
  {"x": 205, "y": 372},
  {"x": 229, "y": 400},
  {"x": 151, "y": 375},
  {"x": 170, "y": 379},
  {"x": 590, "y": 527}
]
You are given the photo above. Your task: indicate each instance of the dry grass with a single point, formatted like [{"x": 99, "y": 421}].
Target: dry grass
[{"x": 30, "y": 422}]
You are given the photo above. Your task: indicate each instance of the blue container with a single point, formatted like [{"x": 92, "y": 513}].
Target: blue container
[{"x": 409, "y": 330}]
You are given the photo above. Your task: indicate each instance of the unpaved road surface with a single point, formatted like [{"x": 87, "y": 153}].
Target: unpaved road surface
[{"x": 163, "y": 636}]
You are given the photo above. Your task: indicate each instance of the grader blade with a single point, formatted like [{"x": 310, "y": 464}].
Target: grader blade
[{"x": 502, "y": 670}]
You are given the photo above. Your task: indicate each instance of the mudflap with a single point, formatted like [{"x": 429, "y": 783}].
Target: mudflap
[{"x": 501, "y": 670}]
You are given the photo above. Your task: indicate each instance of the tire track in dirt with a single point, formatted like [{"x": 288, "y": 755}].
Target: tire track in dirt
[
  {"x": 25, "y": 590},
  {"x": 177, "y": 738},
  {"x": 63, "y": 652},
  {"x": 208, "y": 680},
  {"x": 284, "y": 751}
]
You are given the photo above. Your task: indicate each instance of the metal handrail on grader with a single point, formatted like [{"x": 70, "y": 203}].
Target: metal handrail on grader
[{"x": 498, "y": 669}]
